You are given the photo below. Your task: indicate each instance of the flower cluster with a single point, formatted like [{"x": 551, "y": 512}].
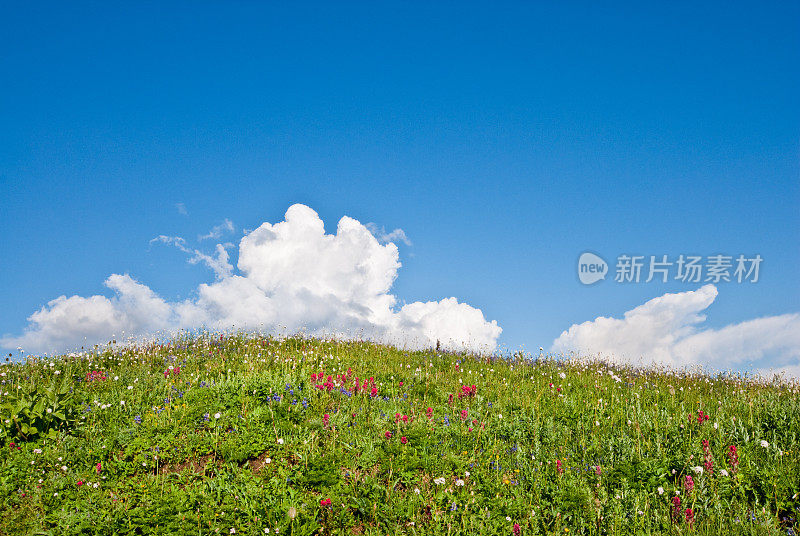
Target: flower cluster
[
  {"x": 467, "y": 391},
  {"x": 95, "y": 375}
]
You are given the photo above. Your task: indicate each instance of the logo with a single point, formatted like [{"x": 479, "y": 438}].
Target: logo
[{"x": 591, "y": 268}]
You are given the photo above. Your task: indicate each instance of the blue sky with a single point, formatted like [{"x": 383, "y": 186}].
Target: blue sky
[{"x": 504, "y": 140}]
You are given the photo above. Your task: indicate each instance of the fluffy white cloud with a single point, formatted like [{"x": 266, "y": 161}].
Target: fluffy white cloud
[
  {"x": 668, "y": 330},
  {"x": 291, "y": 276}
]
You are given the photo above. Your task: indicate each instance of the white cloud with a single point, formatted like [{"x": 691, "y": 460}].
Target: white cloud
[
  {"x": 181, "y": 209},
  {"x": 384, "y": 237},
  {"x": 218, "y": 230},
  {"x": 219, "y": 263},
  {"x": 291, "y": 276},
  {"x": 669, "y": 330}
]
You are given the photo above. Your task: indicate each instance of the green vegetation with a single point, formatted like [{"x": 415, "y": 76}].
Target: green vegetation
[{"x": 251, "y": 435}]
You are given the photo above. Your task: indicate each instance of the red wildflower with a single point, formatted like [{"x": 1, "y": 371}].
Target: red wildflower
[
  {"x": 516, "y": 529},
  {"x": 689, "y": 516},
  {"x": 325, "y": 420},
  {"x": 733, "y": 458},
  {"x": 388, "y": 434},
  {"x": 676, "y": 509},
  {"x": 324, "y": 502},
  {"x": 403, "y": 440},
  {"x": 559, "y": 468},
  {"x": 99, "y": 467},
  {"x": 688, "y": 483}
]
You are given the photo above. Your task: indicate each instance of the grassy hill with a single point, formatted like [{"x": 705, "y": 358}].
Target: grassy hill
[{"x": 251, "y": 435}]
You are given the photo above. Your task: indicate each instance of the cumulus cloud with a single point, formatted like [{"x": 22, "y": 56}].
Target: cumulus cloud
[
  {"x": 384, "y": 237},
  {"x": 669, "y": 330},
  {"x": 218, "y": 230},
  {"x": 290, "y": 276}
]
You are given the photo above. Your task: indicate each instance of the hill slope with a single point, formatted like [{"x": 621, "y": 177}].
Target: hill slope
[{"x": 251, "y": 435}]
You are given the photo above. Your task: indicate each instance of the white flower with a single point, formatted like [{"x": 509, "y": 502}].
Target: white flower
[
  {"x": 37, "y": 451},
  {"x": 716, "y": 426},
  {"x": 499, "y": 415},
  {"x": 280, "y": 441},
  {"x": 562, "y": 375},
  {"x": 268, "y": 460},
  {"x": 217, "y": 415},
  {"x": 63, "y": 467},
  {"x": 233, "y": 531},
  {"x": 723, "y": 472},
  {"x": 697, "y": 469},
  {"x": 440, "y": 481},
  {"x": 416, "y": 491},
  {"x": 764, "y": 444},
  {"x": 459, "y": 482},
  {"x": 508, "y": 518},
  {"x": 466, "y": 473},
  {"x": 660, "y": 490},
  {"x": 49, "y": 410}
]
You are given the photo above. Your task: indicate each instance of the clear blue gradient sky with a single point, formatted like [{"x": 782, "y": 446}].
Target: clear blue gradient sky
[{"x": 504, "y": 139}]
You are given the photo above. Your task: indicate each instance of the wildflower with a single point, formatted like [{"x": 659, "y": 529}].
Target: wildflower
[
  {"x": 388, "y": 434},
  {"x": 733, "y": 457},
  {"x": 99, "y": 467},
  {"x": 723, "y": 472},
  {"x": 559, "y": 468},
  {"x": 403, "y": 440},
  {"x": 325, "y": 502},
  {"x": 325, "y": 420},
  {"x": 689, "y": 516},
  {"x": 688, "y": 483},
  {"x": 698, "y": 470},
  {"x": 676, "y": 509},
  {"x": 217, "y": 415},
  {"x": 459, "y": 482},
  {"x": 439, "y": 481},
  {"x": 516, "y": 529},
  {"x": 280, "y": 441},
  {"x": 764, "y": 444},
  {"x": 416, "y": 491},
  {"x": 138, "y": 419},
  {"x": 660, "y": 490}
]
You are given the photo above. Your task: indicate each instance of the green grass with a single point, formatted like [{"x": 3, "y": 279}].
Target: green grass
[{"x": 239, "y": 440}]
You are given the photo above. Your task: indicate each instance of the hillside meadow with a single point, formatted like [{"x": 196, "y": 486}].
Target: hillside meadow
[{"x": 244, "y": 434}]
